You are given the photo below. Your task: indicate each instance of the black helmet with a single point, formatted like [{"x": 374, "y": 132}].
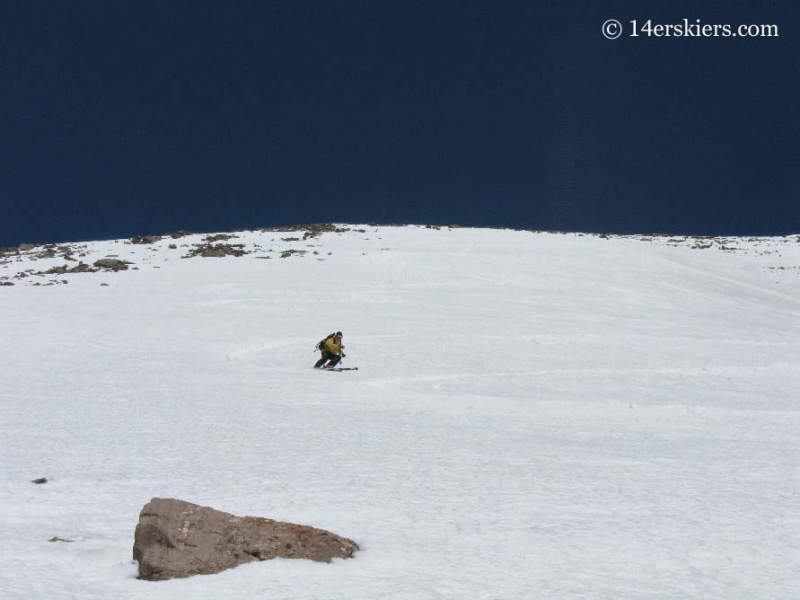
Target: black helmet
[{"x": 339, "y": 334}]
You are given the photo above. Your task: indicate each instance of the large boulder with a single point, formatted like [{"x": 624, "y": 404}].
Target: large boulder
[{"x": 178, "y": 539}]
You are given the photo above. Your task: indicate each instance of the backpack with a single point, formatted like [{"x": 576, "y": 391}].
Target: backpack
[{"x": 321, "y": 343}]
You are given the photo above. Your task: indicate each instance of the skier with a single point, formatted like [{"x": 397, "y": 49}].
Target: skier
[{"x": 332, "y": 350}]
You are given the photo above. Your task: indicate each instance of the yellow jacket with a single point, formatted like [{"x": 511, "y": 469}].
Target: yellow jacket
[{"x": 333, "y": 346}]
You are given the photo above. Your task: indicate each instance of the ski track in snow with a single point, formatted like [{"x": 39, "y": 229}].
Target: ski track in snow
[{"x": 534, "y": 415}]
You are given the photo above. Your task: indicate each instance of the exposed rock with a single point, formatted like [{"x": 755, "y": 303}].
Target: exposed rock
[
  {"x": 39, "y": 480},
  {"x": 112, "y": 264},
  {"x": 81, "y": 267},
  {"x": 179, "y": 234},
  {"x": 26, "y": 247},
  {"x": 288, "y": 253},
  {"x": 48, "y": 252},
  {"x": 6, "y": 283},
  {"x": 217, "y": 250},
  {"x": 145, "y": 239},
  {"x": 55, "y": 538},
  {"x": 310, "y": 231},
  {"x": 220, "y": 237},
  {"x": 178, "y": 539}
]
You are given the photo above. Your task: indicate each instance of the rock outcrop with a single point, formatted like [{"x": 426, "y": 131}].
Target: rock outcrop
[
  {"x": 112, "y": 264},
  {"x": 179, "y": 539}
]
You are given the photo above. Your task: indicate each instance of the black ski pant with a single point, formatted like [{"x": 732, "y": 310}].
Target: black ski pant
[{"x": 327, "y": 356}]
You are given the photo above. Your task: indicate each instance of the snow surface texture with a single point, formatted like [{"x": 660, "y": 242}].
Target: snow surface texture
[{"x": 535, "y": 415}]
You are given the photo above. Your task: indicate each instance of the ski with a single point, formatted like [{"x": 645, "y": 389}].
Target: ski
[{"x": 341, "y": 369}]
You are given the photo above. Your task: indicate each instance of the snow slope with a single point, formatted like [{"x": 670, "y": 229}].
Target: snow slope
[{"x": 535, "y": 415}]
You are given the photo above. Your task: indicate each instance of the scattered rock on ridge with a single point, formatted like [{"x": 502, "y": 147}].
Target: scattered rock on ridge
[
  {"x": 39, "y": 480},
  {"x": 175, "y": 538},
  {"x": 217, "y": 250},
  {"x": 220, "y": 237},
  {"x": 146, "y": 239},
  {"x": 112, "y": 264},
  {"x": 310, "y": 231},
  {"x": 81, "y": 267},
  {"x": 288, "y": 253}
]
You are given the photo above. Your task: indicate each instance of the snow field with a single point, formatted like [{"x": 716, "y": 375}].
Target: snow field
[{"x": 535, "y": 415}]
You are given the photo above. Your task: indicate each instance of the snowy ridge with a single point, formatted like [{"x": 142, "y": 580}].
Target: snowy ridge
[
  {"x": 54, "y": 260},
  {"x": 535, "y": 415}
]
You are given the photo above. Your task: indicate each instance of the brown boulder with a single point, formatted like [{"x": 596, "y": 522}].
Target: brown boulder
[{"x": 179, "y": 539}]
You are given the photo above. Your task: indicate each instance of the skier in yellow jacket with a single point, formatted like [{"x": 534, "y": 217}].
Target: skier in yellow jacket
[{"x": 332, "y": 350}]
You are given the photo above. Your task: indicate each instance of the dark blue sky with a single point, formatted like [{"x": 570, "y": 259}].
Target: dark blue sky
[{"x": 122, "y": 118}]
